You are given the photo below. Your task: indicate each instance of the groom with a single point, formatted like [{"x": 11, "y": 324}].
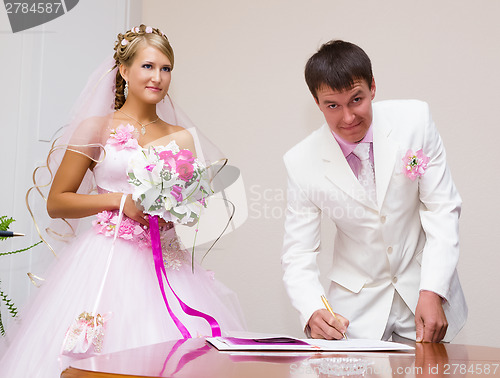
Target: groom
[{"x": 379, "y": 172}]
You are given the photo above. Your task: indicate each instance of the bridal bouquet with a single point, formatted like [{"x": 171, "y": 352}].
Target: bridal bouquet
[{"x": 169, "y": 182}]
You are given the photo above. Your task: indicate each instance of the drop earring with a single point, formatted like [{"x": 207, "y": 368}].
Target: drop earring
[{"x": 125, "y": 90}]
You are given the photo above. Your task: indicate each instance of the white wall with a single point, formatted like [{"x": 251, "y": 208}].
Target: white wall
[{"x": 239, "y": 75}]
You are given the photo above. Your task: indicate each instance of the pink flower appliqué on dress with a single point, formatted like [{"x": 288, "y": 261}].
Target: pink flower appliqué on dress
[
  {"x": 122, "y": 137},
  {"x": 106, "y": 224},
  {"x": 174, "y": 254},
  {"x": 103, "y": 223},
  {"x": 415, "y": 164}
]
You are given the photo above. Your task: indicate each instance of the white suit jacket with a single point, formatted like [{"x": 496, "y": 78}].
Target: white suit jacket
[{"x": 407, "y": 242}]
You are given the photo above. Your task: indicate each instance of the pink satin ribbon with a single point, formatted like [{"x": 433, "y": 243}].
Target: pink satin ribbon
[
  {"x": 185, "y": 358},
  {"x": 160, "y": 269}
]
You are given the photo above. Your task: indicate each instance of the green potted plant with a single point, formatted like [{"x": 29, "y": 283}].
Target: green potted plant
[{"x": 5, "y": 223}]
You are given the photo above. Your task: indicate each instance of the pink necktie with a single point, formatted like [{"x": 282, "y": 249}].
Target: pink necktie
[{"x": 366, "y": 176}]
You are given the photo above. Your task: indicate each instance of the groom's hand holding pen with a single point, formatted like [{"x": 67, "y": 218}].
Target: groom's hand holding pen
[
  {"x": 327, "y": 305},
  {"x": 325, "y": 324}
]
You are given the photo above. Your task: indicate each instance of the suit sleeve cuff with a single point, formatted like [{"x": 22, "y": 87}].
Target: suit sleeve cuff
[{"x": 443, "y": 299}]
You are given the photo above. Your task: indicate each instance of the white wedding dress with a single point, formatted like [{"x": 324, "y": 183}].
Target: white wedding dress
[{"x": 131, "y": 297}]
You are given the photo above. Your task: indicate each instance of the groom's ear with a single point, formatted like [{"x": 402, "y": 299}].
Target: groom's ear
[{"x": 373, "y": 88}]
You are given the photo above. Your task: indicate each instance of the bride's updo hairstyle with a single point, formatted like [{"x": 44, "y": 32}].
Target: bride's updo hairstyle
[{"x": 128, "y": 44}]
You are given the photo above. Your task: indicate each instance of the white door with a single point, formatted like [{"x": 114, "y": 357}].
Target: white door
[{"x": 42, "y": 71}]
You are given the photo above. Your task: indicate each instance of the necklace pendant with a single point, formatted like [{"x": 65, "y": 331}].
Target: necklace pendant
[{"x": 143, "y": 130}]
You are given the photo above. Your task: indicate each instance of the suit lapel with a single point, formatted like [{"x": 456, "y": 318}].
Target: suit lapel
[
  {"x": 338, "y": 171},
  {"x": 384, "y": 156}
]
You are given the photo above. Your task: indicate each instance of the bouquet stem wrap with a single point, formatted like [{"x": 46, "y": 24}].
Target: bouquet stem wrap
[{"x": 160, "y": 270}]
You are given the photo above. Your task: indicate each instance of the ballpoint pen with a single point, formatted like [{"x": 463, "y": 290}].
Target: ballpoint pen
[
  {"x": 327, "y": 305},
  {"x": 9, "y": 234}
]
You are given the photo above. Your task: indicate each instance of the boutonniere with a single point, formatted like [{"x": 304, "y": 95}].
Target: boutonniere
[{"x": 415, "y": 164}]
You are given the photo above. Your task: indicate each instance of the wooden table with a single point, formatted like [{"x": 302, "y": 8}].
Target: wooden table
[{"x": 194, "y": 358}]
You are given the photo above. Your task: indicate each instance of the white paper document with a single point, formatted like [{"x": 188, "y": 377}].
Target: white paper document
[{"x": 304, "y": 345}]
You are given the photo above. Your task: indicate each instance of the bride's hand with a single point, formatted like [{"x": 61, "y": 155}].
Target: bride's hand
[{"x": 130, "y": 210}]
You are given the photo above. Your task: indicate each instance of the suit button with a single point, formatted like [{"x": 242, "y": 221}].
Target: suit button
[
  {"x": 394, "y": 280},
  {"x": 389, "y": 250},
  {"x": 383, "y": 219}
]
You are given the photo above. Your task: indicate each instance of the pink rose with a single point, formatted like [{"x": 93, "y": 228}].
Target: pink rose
[
  {"x": 185, "y": 170},
  {"x": 185, "y": 155},
  {"x": 168, "y": 159}
]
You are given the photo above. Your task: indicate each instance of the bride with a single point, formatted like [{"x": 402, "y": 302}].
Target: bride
[{"x": 110, "y": 267}]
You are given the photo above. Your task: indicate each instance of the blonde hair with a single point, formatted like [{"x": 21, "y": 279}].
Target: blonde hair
[{"x": 126, "y": 47}]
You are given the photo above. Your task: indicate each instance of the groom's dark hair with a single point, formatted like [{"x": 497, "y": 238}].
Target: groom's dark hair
[{"x": 337, "y": 65}]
